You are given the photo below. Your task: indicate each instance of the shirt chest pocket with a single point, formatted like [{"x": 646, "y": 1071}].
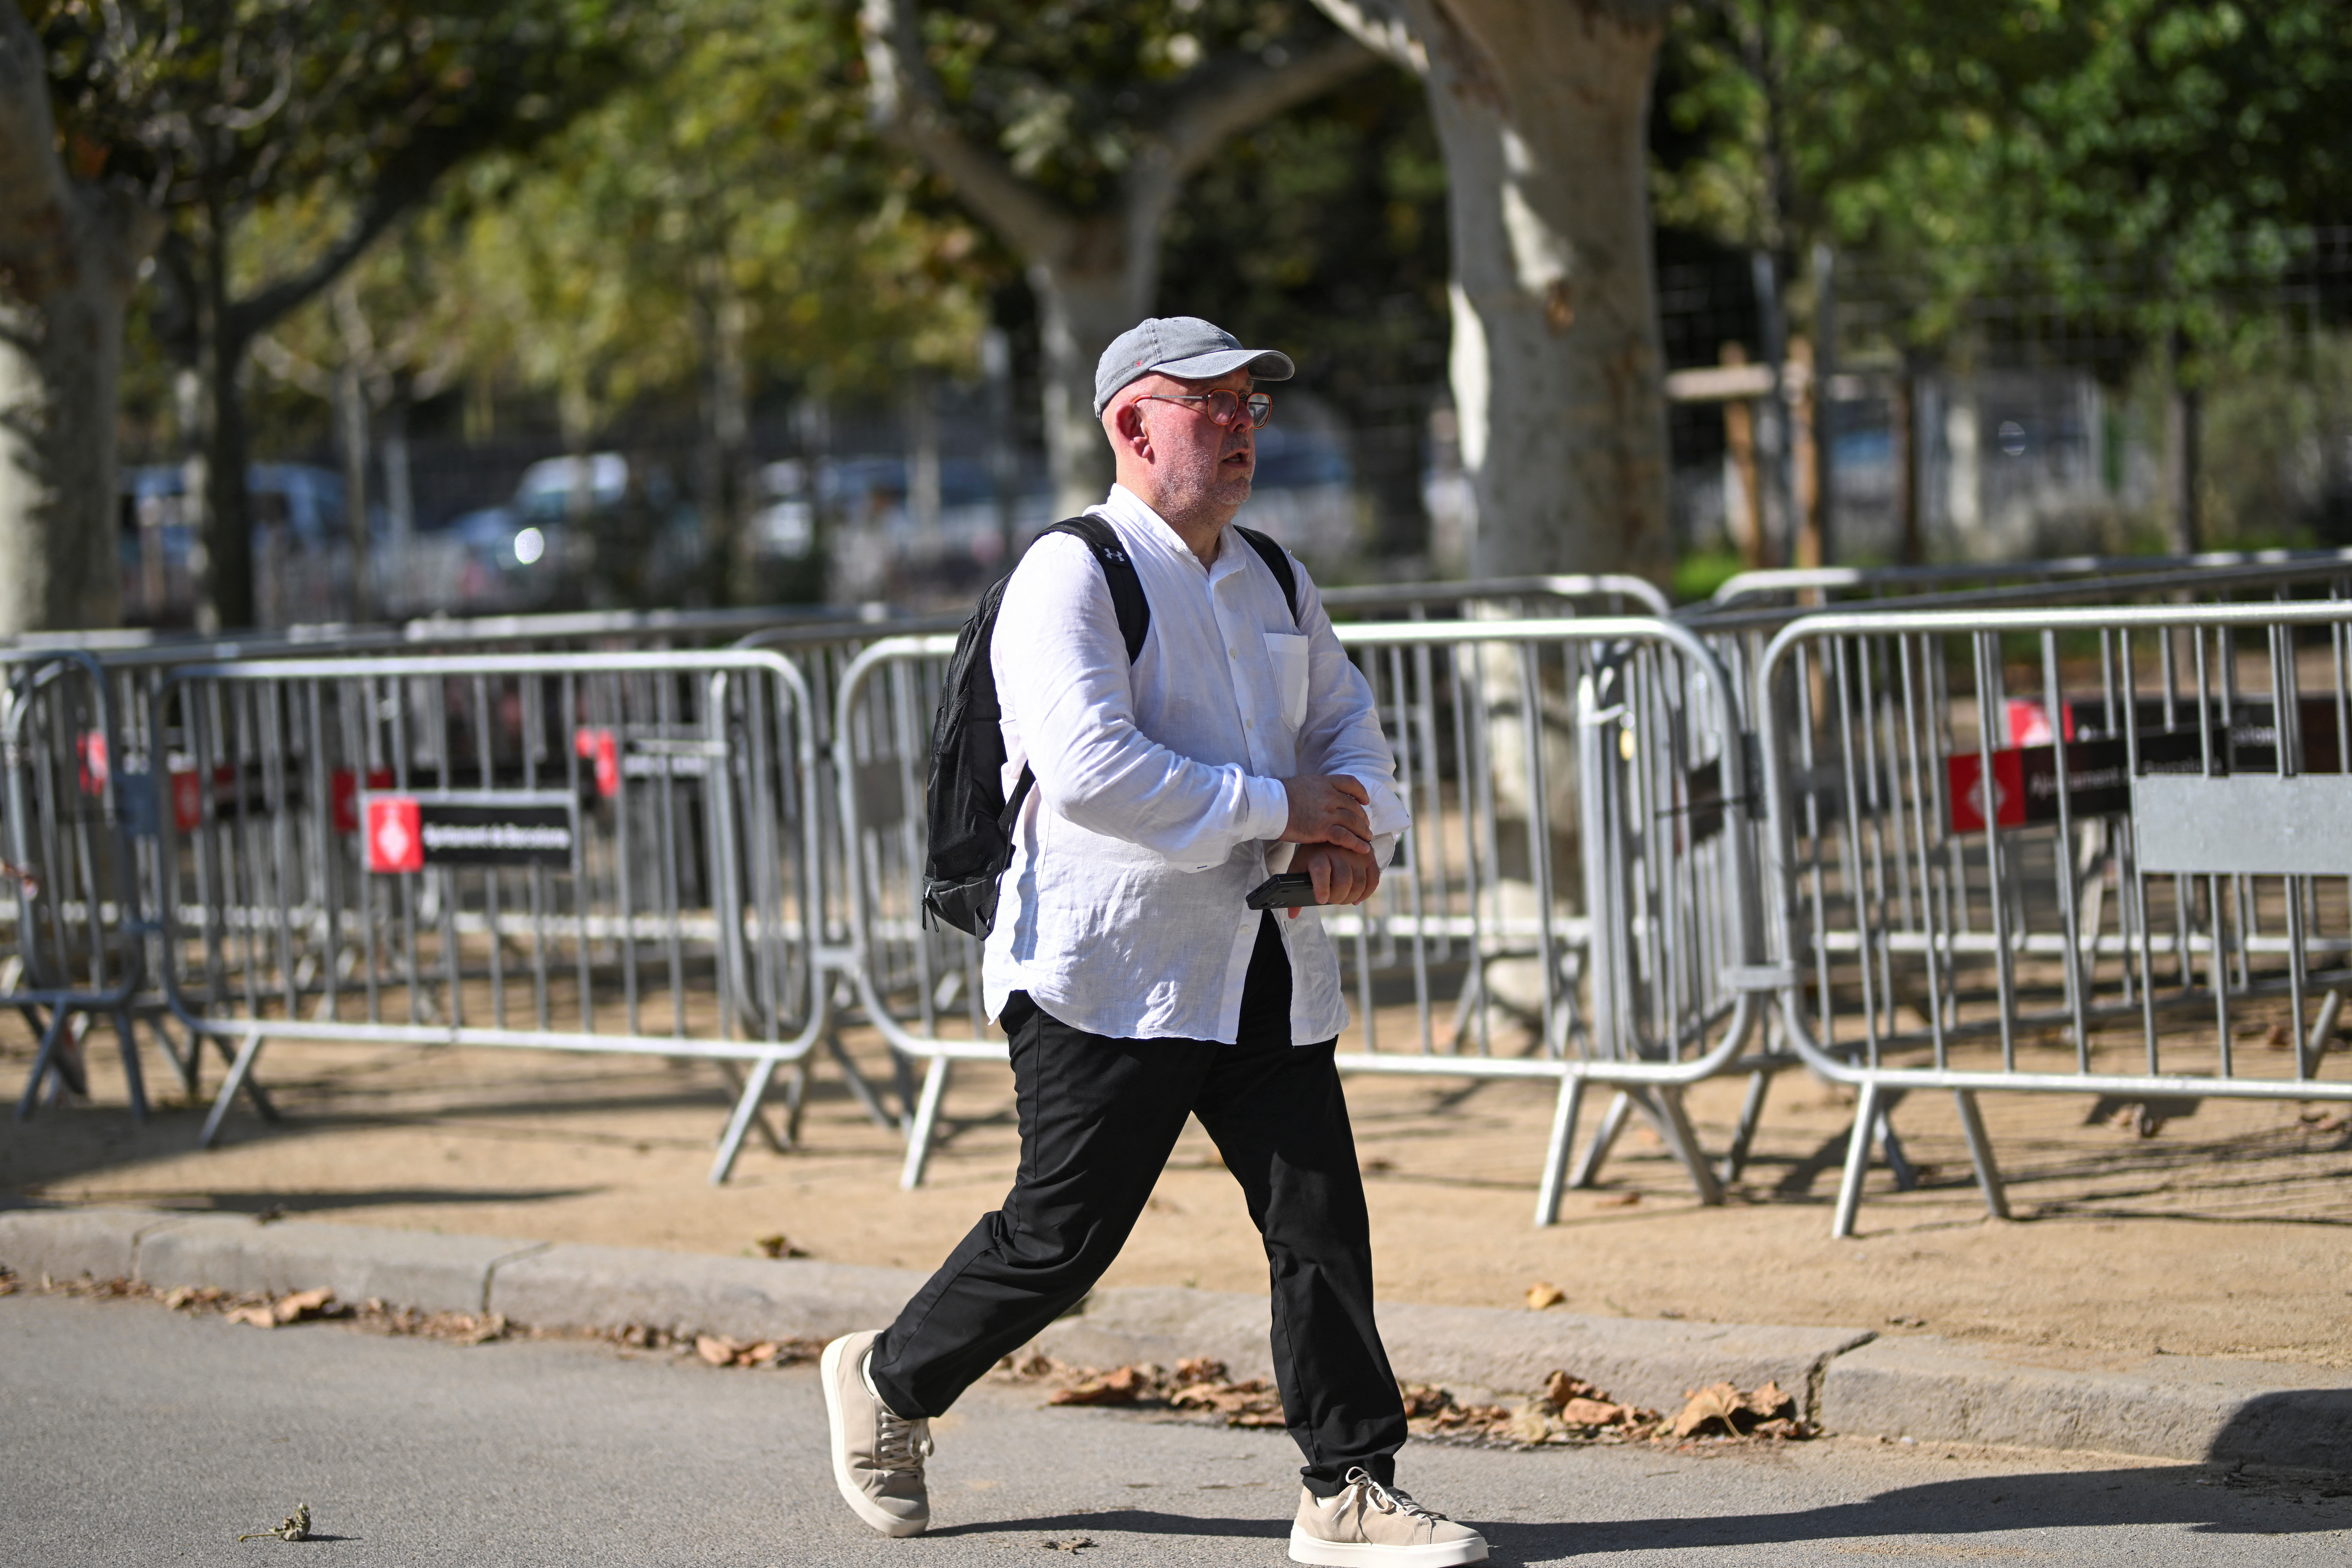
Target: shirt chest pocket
[{"x": 1286, "y": 652}]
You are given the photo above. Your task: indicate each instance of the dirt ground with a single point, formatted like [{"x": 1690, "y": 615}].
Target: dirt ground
[{"x": 2222, "y": 1234}]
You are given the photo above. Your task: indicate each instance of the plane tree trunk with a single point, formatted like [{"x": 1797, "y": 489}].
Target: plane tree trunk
[
  {"x": 1557, "y": 375},
  {"x": 69, "y": 253}
]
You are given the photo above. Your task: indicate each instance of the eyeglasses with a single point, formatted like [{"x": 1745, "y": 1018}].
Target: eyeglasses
[{"x": 1225, "y": 406}]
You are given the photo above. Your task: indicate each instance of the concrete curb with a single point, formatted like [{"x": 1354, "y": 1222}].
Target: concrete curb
[
  {"x": 1924, "y": 1387},
  {"x": 2170, "y": 1407}
]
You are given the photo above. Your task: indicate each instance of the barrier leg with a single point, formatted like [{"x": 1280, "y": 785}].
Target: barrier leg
[
  {"x": 2322, "y": 1030},
  {"x": 926, "y": 1117},
  {"x": 188, "y": 1064},
  {"x": 252, "y": 1085},
  {"x": 902, "y": 1078},
  {"x": 1682, "y": 1137},
  {"x": 1996, "y": 1195},
  {"x": 1604, "y": 1137},
  {"x": 1890, "y": 1146},
  {"x": 1563, "y": 1137},
  {"x": 1743, "y": 1137},
  {"x": 43, "y": 1059},
  {"x": 753, "y": 1088},
  {"x": 795, "y": 1097},
  {"x": 239, "y": 1070},
  {"x": 736, "y": 1083},
  {"x": 1857, "y": 1160},
  {"x": 133, "y": 1079}
]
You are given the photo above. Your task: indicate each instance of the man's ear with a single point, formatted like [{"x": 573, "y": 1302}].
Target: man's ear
[{"x": 1128, "y": 421}]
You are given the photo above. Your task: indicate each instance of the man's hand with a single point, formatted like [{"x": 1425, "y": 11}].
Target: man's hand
[
  {"x": 1328, "y": 808},
  {"x": 1341, "y": 875}
]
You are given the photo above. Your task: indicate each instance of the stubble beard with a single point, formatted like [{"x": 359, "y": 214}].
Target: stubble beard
[{"x": 1204, "y": 487}]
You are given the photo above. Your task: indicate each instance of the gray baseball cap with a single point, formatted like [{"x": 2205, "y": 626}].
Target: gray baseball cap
[{"x": 1182, "y": 346}]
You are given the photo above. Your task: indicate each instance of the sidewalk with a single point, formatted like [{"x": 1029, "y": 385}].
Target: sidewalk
[
  {"x": 2217, "y": 1241},
  {"x": 2222, "y": 1235},
  {"x": 1847, "y": 1380}
]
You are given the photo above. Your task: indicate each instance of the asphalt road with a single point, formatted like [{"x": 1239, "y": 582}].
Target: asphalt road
[{"x": 130, "y": 1435}]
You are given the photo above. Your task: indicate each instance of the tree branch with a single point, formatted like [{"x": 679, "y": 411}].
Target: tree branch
[
  {"x": 1230, "y": 97},
  {"x": 905, "y": 105},
  {"x": 1384, "y": 26},
  {"x": 258, "y": 312}
]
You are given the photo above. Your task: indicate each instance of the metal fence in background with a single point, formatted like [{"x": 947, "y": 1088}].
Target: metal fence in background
[
  {"x": 80, "y": 936},
  {"x": 1803, "y": 587},
  {"x": 1521, "y": 745},
  {"x": 608, "y": 852},
  {"x": 2060, "y": 850}
]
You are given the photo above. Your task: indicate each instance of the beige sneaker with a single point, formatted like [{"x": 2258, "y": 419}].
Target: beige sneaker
[
  {"x": 1371, "y": 1523},
  {"x": 878, "y": 1458}
]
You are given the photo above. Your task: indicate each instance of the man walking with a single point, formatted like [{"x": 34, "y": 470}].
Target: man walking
[{"x": 1133, "y": 982}]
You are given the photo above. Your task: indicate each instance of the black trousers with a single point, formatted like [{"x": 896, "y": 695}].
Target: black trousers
[{"x": 1098, "y": 1117}]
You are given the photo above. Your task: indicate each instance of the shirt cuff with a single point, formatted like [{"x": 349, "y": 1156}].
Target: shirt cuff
[{"x": 1266, "y": 808}]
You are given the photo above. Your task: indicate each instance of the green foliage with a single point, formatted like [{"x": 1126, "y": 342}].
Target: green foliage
[
  {"x": 1067, "y": 90},
  {"x": 1323, "y": 233},
  {"x": 1700, "y": 572},
  {"x": 2149, "y": 161},
  {"x": 738, "y": 179},
  {"x": 2276, "y": 404},
  {"x": 238, "y": 103}
]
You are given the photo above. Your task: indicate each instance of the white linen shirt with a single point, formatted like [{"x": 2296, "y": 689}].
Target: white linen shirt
[{"x": 1159, "y": 789}]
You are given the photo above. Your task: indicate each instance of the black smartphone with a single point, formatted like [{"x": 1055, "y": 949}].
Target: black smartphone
[{"x": 1284, "y": 890}]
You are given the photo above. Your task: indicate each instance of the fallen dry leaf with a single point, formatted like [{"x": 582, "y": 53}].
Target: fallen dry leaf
[
  {"x": 1029, "y": 1367},
  {"x": 291, "y": 1309},
  {"x": 1559, "y": 1388},
  {"x": 716, "y": 1350},
  {"x": 1738, "y": 1414},
  {"x": 1617, "y": 1200},
  {"x": 295, "y": 1526},
  {"x": 303, "y": 1304},
  {"x": 1593, "y": 1413},
  {"x": 2280, "y": 1037},
  {"x": 1126, "y": 1385},
  {"x": 778, "y": 1245},
  {"x": 1542, "y": 1295},
  {"x": 1717, "y": 1402}
]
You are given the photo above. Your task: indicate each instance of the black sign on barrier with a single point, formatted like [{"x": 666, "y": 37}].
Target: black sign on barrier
[{"x": 409, "y": 832}]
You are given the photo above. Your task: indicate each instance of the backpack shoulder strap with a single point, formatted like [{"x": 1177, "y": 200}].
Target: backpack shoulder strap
[
  {"x": 1277, "y": 560},
  {"x": 1126, "y": 588}
]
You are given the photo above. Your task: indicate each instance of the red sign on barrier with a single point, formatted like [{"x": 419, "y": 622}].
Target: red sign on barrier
[
  {"x": 604, "y": 749},
  {"x": 187, "y": 799},
  {"x": 1965, "y": 773},
  {"x": 90, "y": 747},
  {"x": 2029, "y": 722},
  {"x": 395, "y": 834}
]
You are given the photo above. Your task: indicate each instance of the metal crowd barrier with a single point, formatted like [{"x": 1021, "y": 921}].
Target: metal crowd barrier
[
  {"x": 592, "y": 851},
  {"x": 1830, "y": 586},
  {"x": 1502, "y": 943},
  {"x": 78, "y": 933},
  {"x": 2059, "y": 851}
]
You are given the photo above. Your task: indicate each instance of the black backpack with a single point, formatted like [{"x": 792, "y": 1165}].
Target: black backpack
[{"x": 971, "y": 820}]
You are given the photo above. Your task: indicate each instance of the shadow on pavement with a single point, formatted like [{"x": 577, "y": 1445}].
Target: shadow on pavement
[{"x": 2223, "y": 1504}]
